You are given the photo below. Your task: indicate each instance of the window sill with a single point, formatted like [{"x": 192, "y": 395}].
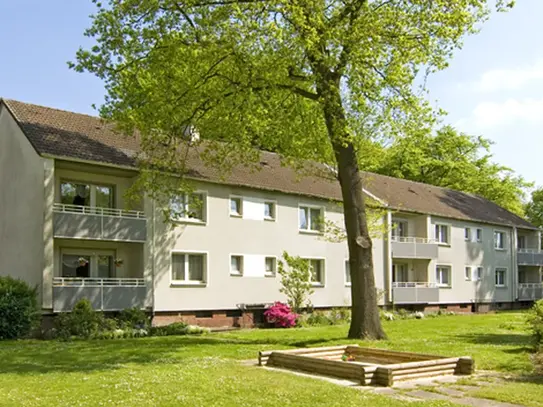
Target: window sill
[
  {"x": 190, "y": 221},
  {"x": 317, "y": 285},
  {"x": 444, "y": 286},
  {"x": 310, "y": 232},
  {"x": 500, "y": 286},
  {"x": 269, "y": 275},
  {"x": 348, "y": 284},
  {"x": 500, "y": 250},
  {"x": 269, "y": 219},
  {"x": 444, "y": 244},
  {"x": 236, "y": 274},
  {"x": 188, "y": 284},
  {"x": 236, "y": 215}
]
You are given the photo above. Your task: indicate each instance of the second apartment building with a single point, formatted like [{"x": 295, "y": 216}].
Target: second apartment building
[{"x": 74, "y": 236}]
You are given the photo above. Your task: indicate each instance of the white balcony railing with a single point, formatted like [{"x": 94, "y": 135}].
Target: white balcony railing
[
  {"x": 97, "y": 282},
  {"x": 91, "y": 210},
  {"x": 414, "y": 285},
  {"x": 530, "y": 285},
  {"x": 530, "y": 291},
  {"x": 410, "y": 239}
]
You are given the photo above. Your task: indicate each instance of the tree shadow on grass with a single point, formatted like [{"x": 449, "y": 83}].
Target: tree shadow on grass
[
  {"x": 509, "y": 339},
  {"x": 32, "y": 357}
]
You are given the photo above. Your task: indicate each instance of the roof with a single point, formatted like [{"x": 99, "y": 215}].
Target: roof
[{"x": 70, "y": 135}]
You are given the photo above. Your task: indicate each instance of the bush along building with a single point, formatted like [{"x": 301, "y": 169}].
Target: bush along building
[{"x": 65, "y": 228}]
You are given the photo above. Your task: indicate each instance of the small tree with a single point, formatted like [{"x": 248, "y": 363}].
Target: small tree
[
  {"x": 18, "y": 308},
  {"x": 535, "y": 320},
  {"x": 295, "y": 281}
]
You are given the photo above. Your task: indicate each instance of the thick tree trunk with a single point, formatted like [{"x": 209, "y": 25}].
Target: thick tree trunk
[{"x": 365, "y": 321}]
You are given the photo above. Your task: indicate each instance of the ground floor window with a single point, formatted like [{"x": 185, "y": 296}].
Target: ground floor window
[
  {"x": 84, "y": 263},
  {"x": 188, "y": 267},
  {"x": 443, "y": 276},
  {"x": 500, "y": 277},
  {"x": 316, "y": 268}
]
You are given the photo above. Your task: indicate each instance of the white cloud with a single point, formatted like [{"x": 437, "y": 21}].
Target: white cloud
[
  {"x": 492, "y": 114},
  {"x": 510, "y": 79}
]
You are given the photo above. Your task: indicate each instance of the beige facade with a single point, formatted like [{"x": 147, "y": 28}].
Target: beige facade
[{"x": 432, "y": 259}]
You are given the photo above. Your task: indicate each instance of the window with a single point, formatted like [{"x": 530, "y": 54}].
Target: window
[
  {"x": 316, "y": 267},
  {"x": 310, "y": 218},
  {"x": 477, "y": 274},
  {"x": 400, "y": 273},
  {"x": 522, "y": 277},
  {"x": 347, "y": 272},
  {"x": 236, "y": 206},
  {"x": 443, "y": 276},
  {"x": 442, "y": 234},
  {"x": 188, "y": 268},
  {"x": 479, "y": 235},
  {"x": 467, "y": 273},
  {"x": 467, "y": 234},
  {"x": 236, "y": 265},
  {"x": 521, "y": 242},
  {"x": 499, "y": 240},
  {"x": 271, "y": 264},
  {"x": 81, "y": 194},
  {"x": 188, "y": 207},
  {"x": 84, "y": 263},
  {"x": 399, "y": 230},
  {"x": 269, "y": 210},
  {"x": 500, "y": 277}
]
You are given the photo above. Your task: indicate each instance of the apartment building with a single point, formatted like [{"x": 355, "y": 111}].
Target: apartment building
[{"x": 65, "y": 227}]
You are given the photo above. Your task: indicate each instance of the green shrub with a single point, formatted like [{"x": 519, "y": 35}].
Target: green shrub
[
  {"x": 134, "y": 318},
  {"x": 318, "y": 318},
  {"x": 177, "y": 328},
  {"x": 340, "y": 315},
  {"x": 535, "y": 320},
  {"x": 537, "y": 359},
  {"x": 19, "y": 312},
  {"x": 82, "y": 322}
]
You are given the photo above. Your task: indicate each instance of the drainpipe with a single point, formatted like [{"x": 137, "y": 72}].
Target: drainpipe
[
  {"x": 514, "y": 265},
  {"x": 388, "y": 252},
  {"x": 153, "y": 260}
]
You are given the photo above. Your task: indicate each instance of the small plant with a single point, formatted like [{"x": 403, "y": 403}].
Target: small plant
[
  {"x": 535, "y": 320},
  {"x": 419, "y": 315},
  {"x": 134, "y": 318},
  {"x": 280, "y": 315},
  {"x": 18, "y": 308},
  {"x": 82, "y": 322},
  {"x": 295, "y": 281},
  {"x": 177, "y": 328}
]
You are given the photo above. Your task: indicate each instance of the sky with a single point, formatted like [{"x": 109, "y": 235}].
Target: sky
[{"x": 493, "y": 86}]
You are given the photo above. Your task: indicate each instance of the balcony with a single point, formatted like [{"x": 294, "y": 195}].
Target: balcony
[
  {"x": 85, "y": 222},
  {"x": 105, "y": 294},
  {"x": 530, "y": 291},
  {"x": 530, "y": 257},
  {"x": 415, "y": 293},
  {"x": 414, "y": 248}
]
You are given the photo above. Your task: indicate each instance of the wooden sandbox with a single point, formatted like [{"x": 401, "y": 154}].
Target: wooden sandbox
[{"x": 365, "y": 365}]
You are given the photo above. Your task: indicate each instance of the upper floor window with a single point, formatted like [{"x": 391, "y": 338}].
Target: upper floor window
[
  {"x": 500, "y": 277},
  {"x": 477, "y": 273},
  {"x": 467, "y": 234},
  {"x": 443, "y": 276},
  {"x": 236, "y": 206},
  {"x": 188, "y": 268},
  {"x": 400, "y": 273},
  {"x": 399, "y": 229},
  {"x": 499, "y": 240},
  {"x": 316, "y": 268},
  {"x": 310, "y": 218},
  {"x": 83, "y": 194},
  {"x": 521, "y": 242},
  {"x": 479, "y": 235},
  {"x": 269, "y": 210},
  {"x": 442, "y": 233},
  {"x": 467, "y": 273},
  {"x": 188, "y": 207}
]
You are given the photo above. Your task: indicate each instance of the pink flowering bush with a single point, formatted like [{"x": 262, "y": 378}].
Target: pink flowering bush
[{"x": 280, "y": 315}]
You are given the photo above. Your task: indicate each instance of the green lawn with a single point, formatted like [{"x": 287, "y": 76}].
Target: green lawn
[{"x": 205, "y": 371}]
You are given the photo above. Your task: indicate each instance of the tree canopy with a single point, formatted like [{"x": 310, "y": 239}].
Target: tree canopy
[
  {"x": 314, "y": 79},
  {"x": 534, "y": 208},
  {"x": 452, "y": 159}
]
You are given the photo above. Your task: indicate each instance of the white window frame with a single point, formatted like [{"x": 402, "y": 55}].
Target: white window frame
[
  {"x": 308, "y": 220},
  {"x": 479, "y": 236},
  {"x": 317, "y": 283},
  {"x": 266, "y": 273},
  {"x": 396, "y": 270},
  {"x": 238, "y": 273},
  {"x": 505, "y": 270},
  {"x": 240, "y": 212},
  {"x": 186, "y": 282},
  {"x": 347, "y": 272},
  {"x": 274, "y": 207},
  {"x": 468, "y": 273},
  {"x": 449, "y": 267},
  {"x": 469, "y": 234},
  {"x": 437, "y": 235},
  {"x": 504, "y": 240},
  {"x": 480, "y": 270},
  {"x": 92, "y": 191},
  {"x": 393, "y": 233},
  {"x": 186, "y": 203},
  {"x": 523, "y": 238}
]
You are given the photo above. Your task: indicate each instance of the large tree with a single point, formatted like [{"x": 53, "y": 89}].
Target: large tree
[
  {"x": 313, "y": 79},
  {"x": 452, "y": 159},
  {"x": 534, "y": 208}
]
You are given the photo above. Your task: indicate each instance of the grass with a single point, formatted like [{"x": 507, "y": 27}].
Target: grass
[{"x": 205, "y": 370}]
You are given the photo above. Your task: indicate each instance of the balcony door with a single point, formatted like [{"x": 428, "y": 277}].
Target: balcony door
[
  {"x": 84, "y": 263},
  {"x": 399, "y": 230},
  {"x": 399, "y": 273},
  {"x": 84, "y": 194}
]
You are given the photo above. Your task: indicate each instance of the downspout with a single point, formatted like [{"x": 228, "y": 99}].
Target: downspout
[
  {"x": 388, "y": 252},
  {"x": 153, "y": 257},
  {"x": 514, "y": 265}
]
